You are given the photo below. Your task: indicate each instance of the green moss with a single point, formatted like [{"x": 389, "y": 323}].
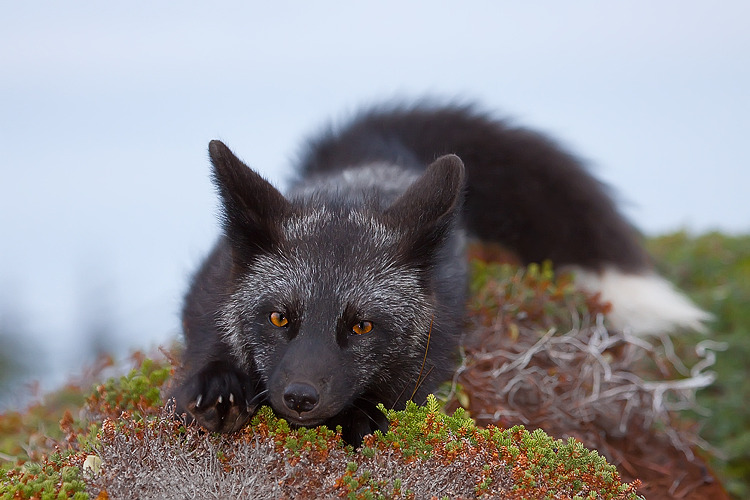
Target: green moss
[
  {"x": 27, "y": 435},
  {"x": 49, "y": 426},
  {"x": 52, "y": 479},
  {"x": 714, "y": 269},
  {"x": 358, "y": 484},
  {"x": 533, "y": 294},
  {"x": 538, "y": 461},
  {"x": 139, "y": 391}
]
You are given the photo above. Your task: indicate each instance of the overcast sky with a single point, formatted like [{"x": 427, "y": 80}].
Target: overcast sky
[{"x": 107, "y": 108}]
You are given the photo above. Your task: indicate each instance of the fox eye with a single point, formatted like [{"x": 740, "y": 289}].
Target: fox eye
[
  {"x": 362, "y": 327},
  {"x": 278, "y": 319}
]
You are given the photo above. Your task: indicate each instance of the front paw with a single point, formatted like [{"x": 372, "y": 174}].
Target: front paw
[
  {"x": 359, "y": 421},
  {"x": 220, "y": 399}
]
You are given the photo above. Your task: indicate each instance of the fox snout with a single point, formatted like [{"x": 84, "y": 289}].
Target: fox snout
[
  {"x": 301, "y": 397},
  {"x": 308, "y": 386},
  {"x": 305, "y": 400}
]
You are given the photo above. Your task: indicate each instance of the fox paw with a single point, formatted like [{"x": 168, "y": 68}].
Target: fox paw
[
  {"x": 359, "y": 421},
  {"x": 218, "y": 399}
]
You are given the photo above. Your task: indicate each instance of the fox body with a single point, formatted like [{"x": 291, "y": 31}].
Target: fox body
[{"x": 349, "y": 290}]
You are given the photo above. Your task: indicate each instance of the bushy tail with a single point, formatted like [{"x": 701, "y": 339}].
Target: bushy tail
[{"x": 524, "y": 192}]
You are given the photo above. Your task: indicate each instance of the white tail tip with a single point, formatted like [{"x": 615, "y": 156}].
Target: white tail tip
[{"x": 642, "y": 304}]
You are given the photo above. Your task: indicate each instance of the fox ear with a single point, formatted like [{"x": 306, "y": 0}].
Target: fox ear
[
  {"x": 428, "y": 208},
  {"x": 252, "y": 207}
]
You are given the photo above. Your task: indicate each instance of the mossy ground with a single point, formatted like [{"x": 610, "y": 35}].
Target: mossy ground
[{"x": 125, "y": 419}]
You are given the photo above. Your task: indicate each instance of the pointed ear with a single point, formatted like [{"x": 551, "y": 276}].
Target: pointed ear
[
  {"x": 252, "y": 207},
  {"x": 429, "y": 207}
]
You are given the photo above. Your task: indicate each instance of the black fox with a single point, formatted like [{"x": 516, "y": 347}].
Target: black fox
[{"x": 348, "y": 291}]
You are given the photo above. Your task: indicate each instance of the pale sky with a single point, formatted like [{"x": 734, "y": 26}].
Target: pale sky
[{"x": 106, "y": 206}]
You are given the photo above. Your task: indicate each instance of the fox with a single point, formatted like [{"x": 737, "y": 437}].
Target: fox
[{"x": 348, "y": 291}]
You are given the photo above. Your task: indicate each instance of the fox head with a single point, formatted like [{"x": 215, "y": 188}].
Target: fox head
[{"x": 335, "y": 301}]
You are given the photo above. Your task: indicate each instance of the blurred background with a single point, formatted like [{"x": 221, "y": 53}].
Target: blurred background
[{"x": 106, "y": 110}]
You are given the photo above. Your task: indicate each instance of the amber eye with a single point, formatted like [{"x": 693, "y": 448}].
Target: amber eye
[
  {"x": 278, "y": 319},
  {"x": 362, "y": 327}
]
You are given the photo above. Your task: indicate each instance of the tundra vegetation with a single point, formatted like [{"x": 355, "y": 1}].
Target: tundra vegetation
[{"x": 546, "y": 403}]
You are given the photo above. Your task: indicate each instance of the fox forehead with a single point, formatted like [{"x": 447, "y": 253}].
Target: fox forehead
[
  {"x": 335, "y": 272},
  {"x": 318, "y": 223}
]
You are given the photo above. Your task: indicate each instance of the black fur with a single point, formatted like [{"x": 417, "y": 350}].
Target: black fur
[
  {"x": 381, "y": 244},
  {"x": 522, "y": 191}
]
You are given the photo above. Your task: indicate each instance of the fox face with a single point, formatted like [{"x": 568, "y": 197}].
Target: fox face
[
  {"x": 331, "y": 298},
  {"x": 329, "y": 314}
]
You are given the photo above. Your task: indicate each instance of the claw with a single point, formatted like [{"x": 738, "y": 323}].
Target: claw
[
  {"x": 198, "y": 400},
  {"x": 231, "y": 398},
  {"x": 218, "y": 401}
]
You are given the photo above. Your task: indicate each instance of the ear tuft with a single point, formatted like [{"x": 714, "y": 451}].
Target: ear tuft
[
  {"x": 252, "y": 207},
  {"x": 429, "y": 207},
  {"x": 217, "y": 150},
  {"x": 437, "y": 193}
]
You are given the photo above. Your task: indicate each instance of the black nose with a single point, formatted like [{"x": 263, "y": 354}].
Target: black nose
[{"x": 300, "y": 397}]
